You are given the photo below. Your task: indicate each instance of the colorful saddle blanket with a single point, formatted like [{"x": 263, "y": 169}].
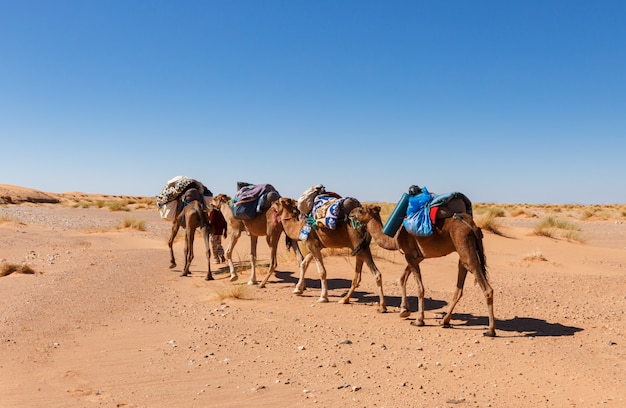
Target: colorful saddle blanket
[
  {"x": 328, "y": 209},
  {"x": 167, "y": 199},
  {"x": 427, "y": 208},
  {"x": 251, "y": 200}
]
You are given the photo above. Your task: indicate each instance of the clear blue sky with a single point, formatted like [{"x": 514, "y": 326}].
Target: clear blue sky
[{"x": 505, "y": 101}]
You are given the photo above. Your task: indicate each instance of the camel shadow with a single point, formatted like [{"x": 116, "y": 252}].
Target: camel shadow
[
  {"x": 337, "y": 284},
  {"x": 396, "y": 301},
  {"x": 522, "y": 326}
]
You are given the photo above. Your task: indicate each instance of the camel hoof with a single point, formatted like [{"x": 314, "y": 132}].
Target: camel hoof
[
  {"x": 446, "y": 325},
  {"x": 405, "y": 313},
  {"x": 251, "y": 282},
  {"x": 382, "y": 309},
  {"x": 210, "y": 277},
  {"x": 233, "y": 278},
  {"x": 344, "y": 301},
  {"x": 322, "y": 300},
  {"x": 490, "y": 333},
  {"x": 184, "y": 274},
  {"x": 417, "y": 323},
  {"x": 297, "y": 292},
  {"x": 172, "y": 265}
]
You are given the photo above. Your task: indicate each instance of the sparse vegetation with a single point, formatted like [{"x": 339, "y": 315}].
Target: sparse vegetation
[
  {"x": 6, "y": 218},
  {"x": 489, "y": 222},
  {"x": 233, "y": 291},
  {"x": 8, "y": 268},
  {"x": 535, "y": 256},
  {"x": 132, "y": 223},
  {"x": 554, "y": 227},
  {"x": 117, "y": 206}
]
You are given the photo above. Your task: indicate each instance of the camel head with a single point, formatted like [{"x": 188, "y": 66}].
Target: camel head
[
  {"x": 366, "y": 213},
  {"x": 220, "y": 199},
  {"x": 286, "y": 205}
]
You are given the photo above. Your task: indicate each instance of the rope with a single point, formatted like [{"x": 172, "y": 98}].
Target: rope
[
  {"x": 311, "y": 221},
  {"x": 354, "y": 223}
]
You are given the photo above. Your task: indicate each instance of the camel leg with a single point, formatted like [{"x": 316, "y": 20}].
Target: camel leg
[
  {"x": 188, "y": 250},
  {"x": 170, "y": 243},
  {"x": 272, "y": 240},
  {"x": 207, "y": 245},
  {"x": 458, "y": 294},
  {"x": 417, "y": 274},
  {"x": 234, "y": 237},
  {"x": 301, "y": 285},
  {"x": 488, "y": 292},
  {"x": 404, "y": 304},
  {"x": 321, "y": 269},
  {"x": 316, "y": 250},
  {"x": 356, "y": 281},
  {"x": 253, "y": 241},
  {"x": 378, "y": 277}
]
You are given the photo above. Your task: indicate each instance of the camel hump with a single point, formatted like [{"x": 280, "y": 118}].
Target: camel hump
[
  {"x": 192, "y": 194},
  {"x": 451, "y": 203}
]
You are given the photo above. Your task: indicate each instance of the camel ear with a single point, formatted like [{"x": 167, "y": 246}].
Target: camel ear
[{"x": 377, "y": 208}]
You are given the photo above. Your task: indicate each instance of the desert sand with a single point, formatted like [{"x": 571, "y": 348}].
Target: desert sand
[{"x": 103, "y": 322}]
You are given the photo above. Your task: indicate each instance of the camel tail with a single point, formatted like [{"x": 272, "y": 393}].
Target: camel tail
[
  {"x": 480, "y": 251},
  {"x": 365, "y": 243}
]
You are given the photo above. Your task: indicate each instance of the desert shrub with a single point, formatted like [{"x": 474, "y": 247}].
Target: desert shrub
[
  {"x": 552, "y": 227},
  {"x": 6, "y": 218},
  {"x": 132, "y": 223},
  {"x": 489, "y": 222},
  {"x": 586, "y": 214},
  {"x": 521, "y": 212},
  {"x": 232, "y": 291},
  {"x": 535, "y": 256},
  {"x": 117, "y": 206},
  {"x": 8, "y": 268}
]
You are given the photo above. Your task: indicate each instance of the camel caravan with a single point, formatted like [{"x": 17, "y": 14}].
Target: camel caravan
[{"x": 422, "y": 225}]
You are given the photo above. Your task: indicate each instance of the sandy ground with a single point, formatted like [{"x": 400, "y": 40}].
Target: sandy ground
[{"x": 105, "y": 323}]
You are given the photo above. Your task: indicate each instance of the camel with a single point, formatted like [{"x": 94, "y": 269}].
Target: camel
[
  {"x": 190, "y": 218},
  {"x": 457, "y": 233},
  {"x": 345, "y": 235},
  {"x": 264, "y": 224}
]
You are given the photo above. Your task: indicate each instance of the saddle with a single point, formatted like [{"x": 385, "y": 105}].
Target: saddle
[
  {"x": 446, "y": 205},
  {"x": 330, "y": 209},
  {"x": 251, "y": 200},
  {"x": 434, "y": 210}
]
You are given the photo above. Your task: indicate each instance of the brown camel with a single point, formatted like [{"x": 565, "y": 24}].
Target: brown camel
[
  {"x": 343, "y": 236},
  {"x": 457, "y": 233},
  {"x": 190, "y": 218},
  {"x": 264, "y": 224}
]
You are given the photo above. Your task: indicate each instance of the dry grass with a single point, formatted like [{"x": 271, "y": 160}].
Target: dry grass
[
  {"x": 535, "y": 256},
  {"x": 490, "y": 222},
  {"x": 8, "y": 268},
  {"x": 554, "y": 227},
  {"x": 232, "y": 291},
  {"x": 6, "y": 218},
  {"x": 117, "y": 206},
  {"x": 132, "y": 223}
]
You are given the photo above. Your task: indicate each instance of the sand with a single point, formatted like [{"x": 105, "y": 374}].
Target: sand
[{"x": 105, "y": 323}]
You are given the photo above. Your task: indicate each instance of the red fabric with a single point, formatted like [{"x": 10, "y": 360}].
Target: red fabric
[
  {"x": 433, "y": 213},
  {"x": 217, "y": 220}
]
